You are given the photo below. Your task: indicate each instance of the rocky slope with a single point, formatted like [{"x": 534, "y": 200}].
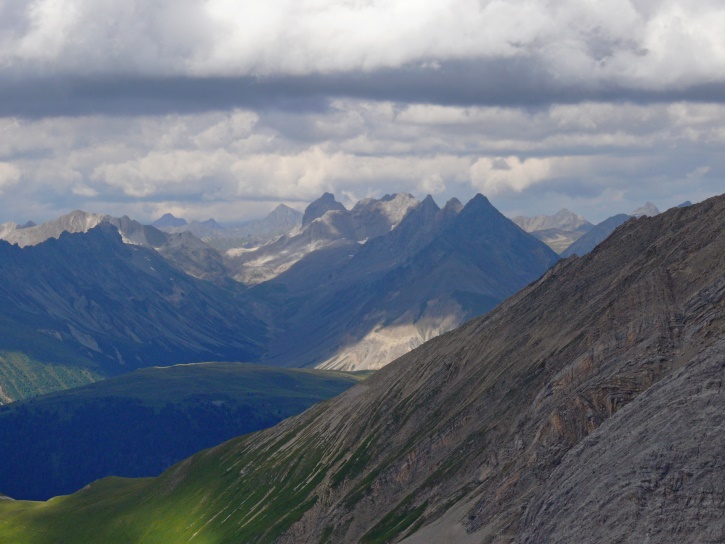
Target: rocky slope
[
  {"x": 491, "y": 433},
  {"x": 655, "y": 472}
]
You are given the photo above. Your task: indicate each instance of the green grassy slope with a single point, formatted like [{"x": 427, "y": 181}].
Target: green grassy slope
[
  {"x": 200, "y": 488},
  {"x": 34, "y": 362},
  {"x": 141, "y": 423},
  {"x": 22, "y": 377}
]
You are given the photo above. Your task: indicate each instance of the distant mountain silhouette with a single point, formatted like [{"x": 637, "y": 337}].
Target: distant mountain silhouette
[
  {"x": 169, "y": 221},
  {"x": 595, "y": 236},
  {"x": 558, "y": 231},
  {"x": 648, "y": 209},
  {"x": 279, "y": 221}
]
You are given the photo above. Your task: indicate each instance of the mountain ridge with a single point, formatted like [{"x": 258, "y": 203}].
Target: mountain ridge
[
  {"x": 435, "y": 269},
  {"x": 117, "y": 302}
]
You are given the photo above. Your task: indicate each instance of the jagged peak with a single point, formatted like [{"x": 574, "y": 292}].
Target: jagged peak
[
  {"x": 428, "y": 200},
  {"x": 479, "y": 203},
  {"x": 319, "y": 207},
  {"x": 170, "y": 220},
  {"x": 453, "y": 205}
]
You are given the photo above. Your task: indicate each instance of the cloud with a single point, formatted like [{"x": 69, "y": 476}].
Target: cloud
[
  {"x": 645, "y": 43},
  {"x": 76, "y": 57},
  {"x": 9, "y": 175},
  {"x": 498, "y": 174},
  {"x": 577, "y": 155}
]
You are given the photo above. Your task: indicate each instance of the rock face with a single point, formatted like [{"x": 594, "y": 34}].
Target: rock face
[
  {"x": 608, "y": 369},
  {"x": 653, "y": 472}
]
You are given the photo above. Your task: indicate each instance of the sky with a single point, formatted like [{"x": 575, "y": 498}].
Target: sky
[{"x": 224, "y": 109}]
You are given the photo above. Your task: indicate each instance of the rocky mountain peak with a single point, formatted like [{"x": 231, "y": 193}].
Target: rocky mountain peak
[
  {"x": 479, "y": 207},
  {"x": 211, "y": 224},
  {"x": 649, "y": 210},
  {"x": 319, "y": 207},
  {"x": 168, "y": 220},
  {"x": 452, "y": 208},
  {"x": 283, "y": 211},
  {"x": 429, "y": 203},
  {"x": 75, "y": 221},
  {"x": 563, "y": 219}
]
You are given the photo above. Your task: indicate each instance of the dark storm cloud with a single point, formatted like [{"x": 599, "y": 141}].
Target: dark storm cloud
[{"x": 508, "y": 83}]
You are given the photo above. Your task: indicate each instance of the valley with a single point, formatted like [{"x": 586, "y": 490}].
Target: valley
[{"x": 141, "y": 423}]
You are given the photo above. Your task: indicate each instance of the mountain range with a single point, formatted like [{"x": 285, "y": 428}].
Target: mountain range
[
  {"x": 356, "y": 306},
  {"x": 121, "y": 306},
  {"x": 88, "y": 296},
  {"x": 585, "y": 408},
  {"x": 279, "y": 221},
  {"x": 558, "y": 231},
  {"x": 343, "y": 289},
  {"x": 570, "y": 234},
  {"x": 183, "y": 250}
]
